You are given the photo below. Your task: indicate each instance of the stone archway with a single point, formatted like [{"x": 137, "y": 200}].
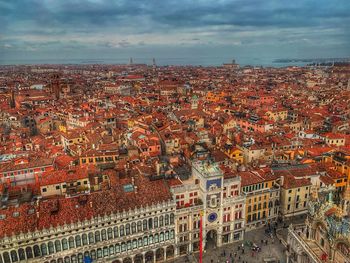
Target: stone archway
[
  {"x": 183, "y": 249},
  {"x": 149, "y": 257},
  {"x": 160, "y": 254},
  {"x": 127, "y": 260},
  {"x": 138, "y": 258},
  {"x": 170, "y": 251},
  {"x": 211, "y": 239}
]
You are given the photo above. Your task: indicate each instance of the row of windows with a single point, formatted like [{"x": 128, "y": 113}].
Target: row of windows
[
  {"x": 290, "y": 191},
  {"x": 258, "y": 207},
  {"x": 254, "y": 187},
  {"x": 21, "y": 172},
  {"x": 99, "y": 159},
  {"x": 58, "y": 246},
  {"x": 297, "y": 205},
  {"x": 256, "y": 216},
  {"x": 64, "y": 186}
]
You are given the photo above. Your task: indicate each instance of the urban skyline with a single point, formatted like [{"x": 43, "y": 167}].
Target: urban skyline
[
  {"x": 251, "y": 31},
  {"x": 174, "y": 131}
]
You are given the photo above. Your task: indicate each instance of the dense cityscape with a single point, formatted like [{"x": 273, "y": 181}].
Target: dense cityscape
[
  {"x": 187, "y": 131},
  {"x": 146, "y": 163}
]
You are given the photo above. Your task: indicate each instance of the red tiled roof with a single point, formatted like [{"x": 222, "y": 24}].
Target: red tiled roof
[
  {"x": 291, "y": 182},
  {"x": 59, "y": 211}
]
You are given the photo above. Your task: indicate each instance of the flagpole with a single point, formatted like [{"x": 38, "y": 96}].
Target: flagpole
[{"x": 201, "y": 237}]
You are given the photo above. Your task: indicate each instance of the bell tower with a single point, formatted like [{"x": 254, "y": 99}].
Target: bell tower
[{"x": 55, "y": 85}]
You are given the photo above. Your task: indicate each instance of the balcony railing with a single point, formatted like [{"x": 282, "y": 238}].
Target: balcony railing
[{"x": 306, "y": 248}]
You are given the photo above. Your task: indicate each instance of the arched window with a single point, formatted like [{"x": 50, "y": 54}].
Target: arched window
[
  {"x": 116, "y": 232},
  {"x": 150, "y": 223},
  {"x": 133, "y": 227},
  {"x": 58, "y": 246},
  {"x": 64, "y": 244},
  {"x": 123, "y": 247},
  {"x": 121, "y": 230},
  {"x": 99, "y": 253},
  {"x": 104, "y": 234},
  {"x": 66, "y": 260},
  {"x": 172, "y": 218},
  {"x": 43, "y": 249},
  {"x": 36, "y": 251},
  {"x": 129, "y": 245},
  {"x": 84, "y": 239},
  {"x": 97, "y": 236},
  {"x": 71, "y": 242},
  {"x": 156, "y": 238},
  {"x": 139, "y": 226},
  {"x": 51, "y": 248},
  {"x": 161, "y": 237},
  {"x": 22, "y": 255},
  {"x": 73, "y": 258},
  {"x": 110, "y": 233},
  {"x": 78, "y": 240},
  {"x": 111, "y": 250},
  {"x": 93, "y": 254},
  {"x": 29, "y": 252},
  {"x": 139, "y": 242},
  {"x": 145, "y": 241},
  {"x": 134, "y": 244},
  {"x": 167, "y": 235},
  {"x": 166, "y": 219},
  {"x": 91, "y": 238},
  {"x": 155, "y": 221},
  {"x": 117, "y": 248},
  {"x": 127, "y": 229},
  {"x": 7, "y": 258},
  {"x": 144, "y": 227},
  {"x": 14, "y": 256},
  {"x": 105, "y": 252},
  {"x": 150, "y": 239},
  {"x": 161, "y": 221},
  {"x": 172, "y": 234}
]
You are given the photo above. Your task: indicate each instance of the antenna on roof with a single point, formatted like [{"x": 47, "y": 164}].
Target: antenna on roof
[{"x": 130, "y": 61}]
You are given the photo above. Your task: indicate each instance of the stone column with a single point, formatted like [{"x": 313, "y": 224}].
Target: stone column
[
  {"x": 219, "y": 240},
  {"x": 176, "y": 251},
  {"x": 164, "y": 258}
]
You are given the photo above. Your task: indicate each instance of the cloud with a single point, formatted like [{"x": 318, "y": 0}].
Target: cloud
[{"x": 69, "y": 24}]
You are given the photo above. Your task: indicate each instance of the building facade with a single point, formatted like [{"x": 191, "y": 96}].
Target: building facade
[
  {"x": 325, "y": 236},
  {"x": 167, "y": 226},
  {"x": 218, "y": 199}
]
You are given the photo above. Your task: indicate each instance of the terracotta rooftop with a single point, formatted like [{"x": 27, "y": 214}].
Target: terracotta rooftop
[{"x": 59, "y": 211}]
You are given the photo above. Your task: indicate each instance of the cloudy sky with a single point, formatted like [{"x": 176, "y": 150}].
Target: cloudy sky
[{"x": 220, "y": 29}]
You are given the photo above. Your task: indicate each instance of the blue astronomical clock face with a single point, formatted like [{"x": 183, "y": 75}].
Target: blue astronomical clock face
[{"x": 212, "y": 217}]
